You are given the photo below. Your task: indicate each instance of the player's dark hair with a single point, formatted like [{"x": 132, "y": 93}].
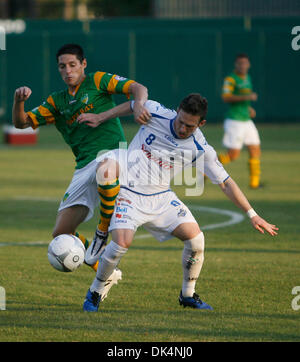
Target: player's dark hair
[
  {"x": 242, "y": 55},
  {"x": 71, "y": 49},
  {"x": 194, "y": 104}
]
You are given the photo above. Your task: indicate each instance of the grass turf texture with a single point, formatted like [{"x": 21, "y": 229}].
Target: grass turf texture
[{"x": 247, "y": 277}]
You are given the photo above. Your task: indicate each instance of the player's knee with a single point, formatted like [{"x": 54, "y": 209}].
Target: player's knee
[
  {"x": 54, "y": 234},
  {"x": 62, "y": 228},
  {"x": 123, "y": 237},
  {"x": 196, "y": 245},
  {"x": 234, "y": 155},
  {"x": 113, "y": 252},
  {"x": 107, "y": 170},
  {"x": 57, "y": 232}
]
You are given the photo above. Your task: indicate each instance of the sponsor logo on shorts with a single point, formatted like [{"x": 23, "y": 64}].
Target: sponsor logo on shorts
[
  {"x": 181, "y": 212},
  {"x": 121, "y": 209},
  {"x": 66, "y": 195},
  {"x": 120, "y": 199},
  {"x": 122, "y": 216},
  {"x": 119, "y": 221}
]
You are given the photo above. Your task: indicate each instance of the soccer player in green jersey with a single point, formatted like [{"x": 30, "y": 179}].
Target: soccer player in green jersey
[
  {"x": 238, "y": 125},
  {"x": 86, "y": 94}
]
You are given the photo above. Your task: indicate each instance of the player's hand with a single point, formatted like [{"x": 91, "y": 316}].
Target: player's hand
[
  {"x": 253, "y": 97},
  {"x": 90, "y": 119},
  {"x": 252, "y": 112},
  {"x": 22, "y": 94},
  {"x": 141, "y": 113},
  {"x": 262, "y": 225}
]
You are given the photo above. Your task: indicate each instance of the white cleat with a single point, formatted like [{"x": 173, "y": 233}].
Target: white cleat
[
  {"x": 115, "y": 276},
  {"x": 95, "y": 249}
]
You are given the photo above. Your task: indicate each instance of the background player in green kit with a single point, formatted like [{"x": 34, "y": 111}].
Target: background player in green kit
[
  {"x": 85, "y": 93},
  {"x": 238, "y": 125}
]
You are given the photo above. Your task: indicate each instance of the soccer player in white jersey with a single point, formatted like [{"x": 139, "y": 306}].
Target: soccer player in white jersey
[{"x": 167, "y": 143}]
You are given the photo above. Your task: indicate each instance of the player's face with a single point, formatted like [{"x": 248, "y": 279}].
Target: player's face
[
  {"x": 242, "y": 65},
  {"x": 185, "y": 124},
  {"x": 70, "y": 69}
]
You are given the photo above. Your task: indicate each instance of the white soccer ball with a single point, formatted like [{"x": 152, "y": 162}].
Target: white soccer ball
[{"x": 66, "y": 253}]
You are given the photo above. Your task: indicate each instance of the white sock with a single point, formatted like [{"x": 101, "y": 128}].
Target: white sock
[
  {"x": 108, "y": 261},
  {"x": 192, "y": 261}
]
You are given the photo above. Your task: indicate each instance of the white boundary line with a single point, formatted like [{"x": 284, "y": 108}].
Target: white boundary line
[
  {"x": 235, "y": 218},
  {"x": 35, "y": 198}
]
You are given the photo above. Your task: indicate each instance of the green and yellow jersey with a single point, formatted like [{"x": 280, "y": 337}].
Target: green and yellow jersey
[
  {"x": 237, "y": 85},
  {"x": 92, "y": 95}
]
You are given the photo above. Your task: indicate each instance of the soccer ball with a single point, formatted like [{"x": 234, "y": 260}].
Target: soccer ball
[{"x": 66, "y": 253}]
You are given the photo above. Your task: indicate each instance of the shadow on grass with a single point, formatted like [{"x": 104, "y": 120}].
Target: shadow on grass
[
  {"x": 150, "y": 325},
  {"x": 223, "y": 250}
]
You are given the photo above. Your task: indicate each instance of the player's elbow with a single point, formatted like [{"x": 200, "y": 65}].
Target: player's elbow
[
  {"x": 139, "y": 89},
  {"x": 225, "y": 185},
  {"x": 21, "y": 123},
  {"x": 17, "y": 123},
  {"x": 226, "y": 98},
  {"x": 222, "y": 186}
]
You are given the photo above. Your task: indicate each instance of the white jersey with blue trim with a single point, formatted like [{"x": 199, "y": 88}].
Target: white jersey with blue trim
[{"x": 156, "y": 154}]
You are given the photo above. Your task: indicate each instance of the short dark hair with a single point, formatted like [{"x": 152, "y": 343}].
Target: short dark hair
[
  {"x": 194, "y": 104},
  {"x": 242, "y": 55},
  {"x": 71, "y": 49}
]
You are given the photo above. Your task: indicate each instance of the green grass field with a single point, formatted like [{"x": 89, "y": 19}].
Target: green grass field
[{"x": 247, "y": 277}]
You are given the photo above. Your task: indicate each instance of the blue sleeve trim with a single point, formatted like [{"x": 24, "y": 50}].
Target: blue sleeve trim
[
  {"x": 158, "y": 116},
  {"x": 172, "y": 129}
]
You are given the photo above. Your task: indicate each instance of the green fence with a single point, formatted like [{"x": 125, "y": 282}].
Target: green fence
[{"x": 171, "y": 57}]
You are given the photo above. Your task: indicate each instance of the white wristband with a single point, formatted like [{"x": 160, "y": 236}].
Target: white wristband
[{"x": 251, "y": 213}]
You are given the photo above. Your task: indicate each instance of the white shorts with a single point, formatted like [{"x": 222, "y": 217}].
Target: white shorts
[
  {"x": 159, "y": 214},
  {"x": 83, "y": 190},
  {"x": 239, "y": 133}
]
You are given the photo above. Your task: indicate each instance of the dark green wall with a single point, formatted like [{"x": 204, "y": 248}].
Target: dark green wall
[{"x": 171, "y": 57}]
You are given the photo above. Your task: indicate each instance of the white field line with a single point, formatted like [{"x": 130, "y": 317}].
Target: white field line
[
  {"x": 36, "y": 198},
  {"x": 234, "y": 218}
]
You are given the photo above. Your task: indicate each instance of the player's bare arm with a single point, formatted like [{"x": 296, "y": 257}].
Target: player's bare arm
[
  {"x": 93, "y": 120},
  {"x": 19, "y": 117},
  {"x": 233, "y": 98},
  {"x": 140, "y": 95},
  {"x": 252, "y": 112},
  {"x": 235, "y": 194},
  {"x": 140, "y": 112}
]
